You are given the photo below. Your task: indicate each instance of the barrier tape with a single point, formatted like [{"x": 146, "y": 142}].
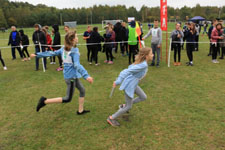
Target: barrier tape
[
  {"x": 86, "y": 44},
  {"x": 61, "y": 35}
]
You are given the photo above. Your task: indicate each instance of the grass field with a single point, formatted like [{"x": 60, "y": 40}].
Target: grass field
[{"x": 185, "y": 109}]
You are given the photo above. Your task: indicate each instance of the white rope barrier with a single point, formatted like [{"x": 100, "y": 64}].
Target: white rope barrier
[{"x": 204, "y": 42}]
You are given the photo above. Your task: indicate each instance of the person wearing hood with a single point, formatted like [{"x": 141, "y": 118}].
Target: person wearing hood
[
  {"x": 56, "y": 44},
  {"x": 96, "y": 40},
  {"x": 14, "y": 41},
  {"x": 118, "y": 29},
  {"x": 24, "y": 43},
  {"x": 39, "y": 38}
]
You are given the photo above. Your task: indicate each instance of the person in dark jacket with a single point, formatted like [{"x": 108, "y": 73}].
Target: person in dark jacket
[
  {"x": 190, "y": 37},
  {"x": 177, "y": 40},
  {"x": 39, "y": 38},
  {"x": 109, "y": 38},
  {"x": 86, "y": 36},
  {"x": 24, "y": 43},
  {"x": 14, "y": 41},
  {"x": 118, "y": 29},
  {"x": 56, "y": 42},
  {"x": 125, "y": 38},
  {"x": 96, "y": 40}
]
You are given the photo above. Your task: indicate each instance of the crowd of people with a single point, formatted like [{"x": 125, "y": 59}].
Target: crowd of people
[
  {"x": 190, "y": 33},
  {"x": 43, "y": 39},
  {"x": 121, "y": 36}
]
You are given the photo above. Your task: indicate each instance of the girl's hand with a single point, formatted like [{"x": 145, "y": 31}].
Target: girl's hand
[
  {"x": 33, "y": 55},
  {"x": 114, "y": 84},
  {"x": 90, "y": 80}
]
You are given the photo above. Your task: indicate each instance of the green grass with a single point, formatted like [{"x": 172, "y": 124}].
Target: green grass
[{"x": 185, "y": 109}]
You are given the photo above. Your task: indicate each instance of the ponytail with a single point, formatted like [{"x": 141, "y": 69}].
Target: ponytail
[{"x": 69, "y": 40}]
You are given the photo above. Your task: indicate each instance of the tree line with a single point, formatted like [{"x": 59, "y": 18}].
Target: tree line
[{"x": 23, "y": 14}]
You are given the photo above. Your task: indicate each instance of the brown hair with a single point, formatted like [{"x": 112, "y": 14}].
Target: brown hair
[
  {"x": 46, "y": 27},
  {"x": 141, "y": 56},
  {"x": 66, "y": 26},
  {"x": 219, "y": 24},
  {"x": 193, "y": 26},
  {"x": 44, "y": 30},
  {"x": 36, "y": 26},
  {"x": 69, "y": 40}
]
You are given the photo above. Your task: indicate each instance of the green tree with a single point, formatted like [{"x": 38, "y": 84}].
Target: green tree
[
  {"x": 12, "y": 22},
  {"x": 3, "y": 22}
]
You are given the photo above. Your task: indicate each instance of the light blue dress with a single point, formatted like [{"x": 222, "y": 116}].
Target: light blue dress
[{"x": 129, "y": 78}]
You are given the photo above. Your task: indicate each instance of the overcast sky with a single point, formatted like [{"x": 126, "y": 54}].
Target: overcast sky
[{"x": 136, "y": 3}]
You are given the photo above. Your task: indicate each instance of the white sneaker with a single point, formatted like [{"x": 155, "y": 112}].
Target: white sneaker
[
  {"x": 97, "y": 64},
  {"x": 217, "y": 62},
  {"x": 51, "y": 63},
  {"x": 54, "y": 63},
  {"x": 90, "y": 63},
  {"x": 213, "y": 61},
  {"x": 5, "y": 68}
]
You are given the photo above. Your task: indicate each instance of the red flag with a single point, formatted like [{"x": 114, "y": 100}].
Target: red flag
[
  {"x": 138, "y": 32},
  {"x": 163, "y": 12}
]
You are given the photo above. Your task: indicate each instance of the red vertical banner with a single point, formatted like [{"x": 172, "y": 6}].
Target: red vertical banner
[
  {"x": 163, "y": 14},
  {"x": 163, "y": 20}
]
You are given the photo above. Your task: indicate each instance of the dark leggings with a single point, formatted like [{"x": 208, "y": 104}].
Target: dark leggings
[
  {"x": 190, "y": 48},
  {"x": 88, "y": 52},
  {"x": 177, "y": 49},
  {"x": 37, "y": 50},
  {"x": 1, "y": 59},
  {"x": 215, "y": 48},
  {"x": 94, "y": 53},
  {"x": 71, "y": 85},
  {"x": 60, "y": 61},
  {"x": 126, "y": 47},
  {"x": 196, "y": 44},
  {"x": 223, "y": 52},
  {"x": 132, "y": 52},
  {"x": 14, "y": 47},
  {"x": 210, "y": 49},
  {"x": 24, "y": 50},
  {"x": 108, "y": 52},
  {"x": 121, "y": 46}
]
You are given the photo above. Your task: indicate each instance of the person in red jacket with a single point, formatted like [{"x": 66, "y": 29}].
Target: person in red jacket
[
  {"x": 216, "y": 36},
  {"x": 49, "y": 42}
]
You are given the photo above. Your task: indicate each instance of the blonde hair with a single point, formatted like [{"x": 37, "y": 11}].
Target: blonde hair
[
  {"x": 69, "y": 40},
  {"x": 141, "y": 56}
]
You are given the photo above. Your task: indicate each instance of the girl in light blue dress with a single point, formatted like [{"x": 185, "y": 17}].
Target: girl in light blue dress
[{"x": 129, "y": 79}]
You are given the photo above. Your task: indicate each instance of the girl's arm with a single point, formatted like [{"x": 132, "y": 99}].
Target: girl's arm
[
  {"x": 78, "y": 66},
  {"x": 126, "y": 72},
  {"x": 49, "y": 53}
]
